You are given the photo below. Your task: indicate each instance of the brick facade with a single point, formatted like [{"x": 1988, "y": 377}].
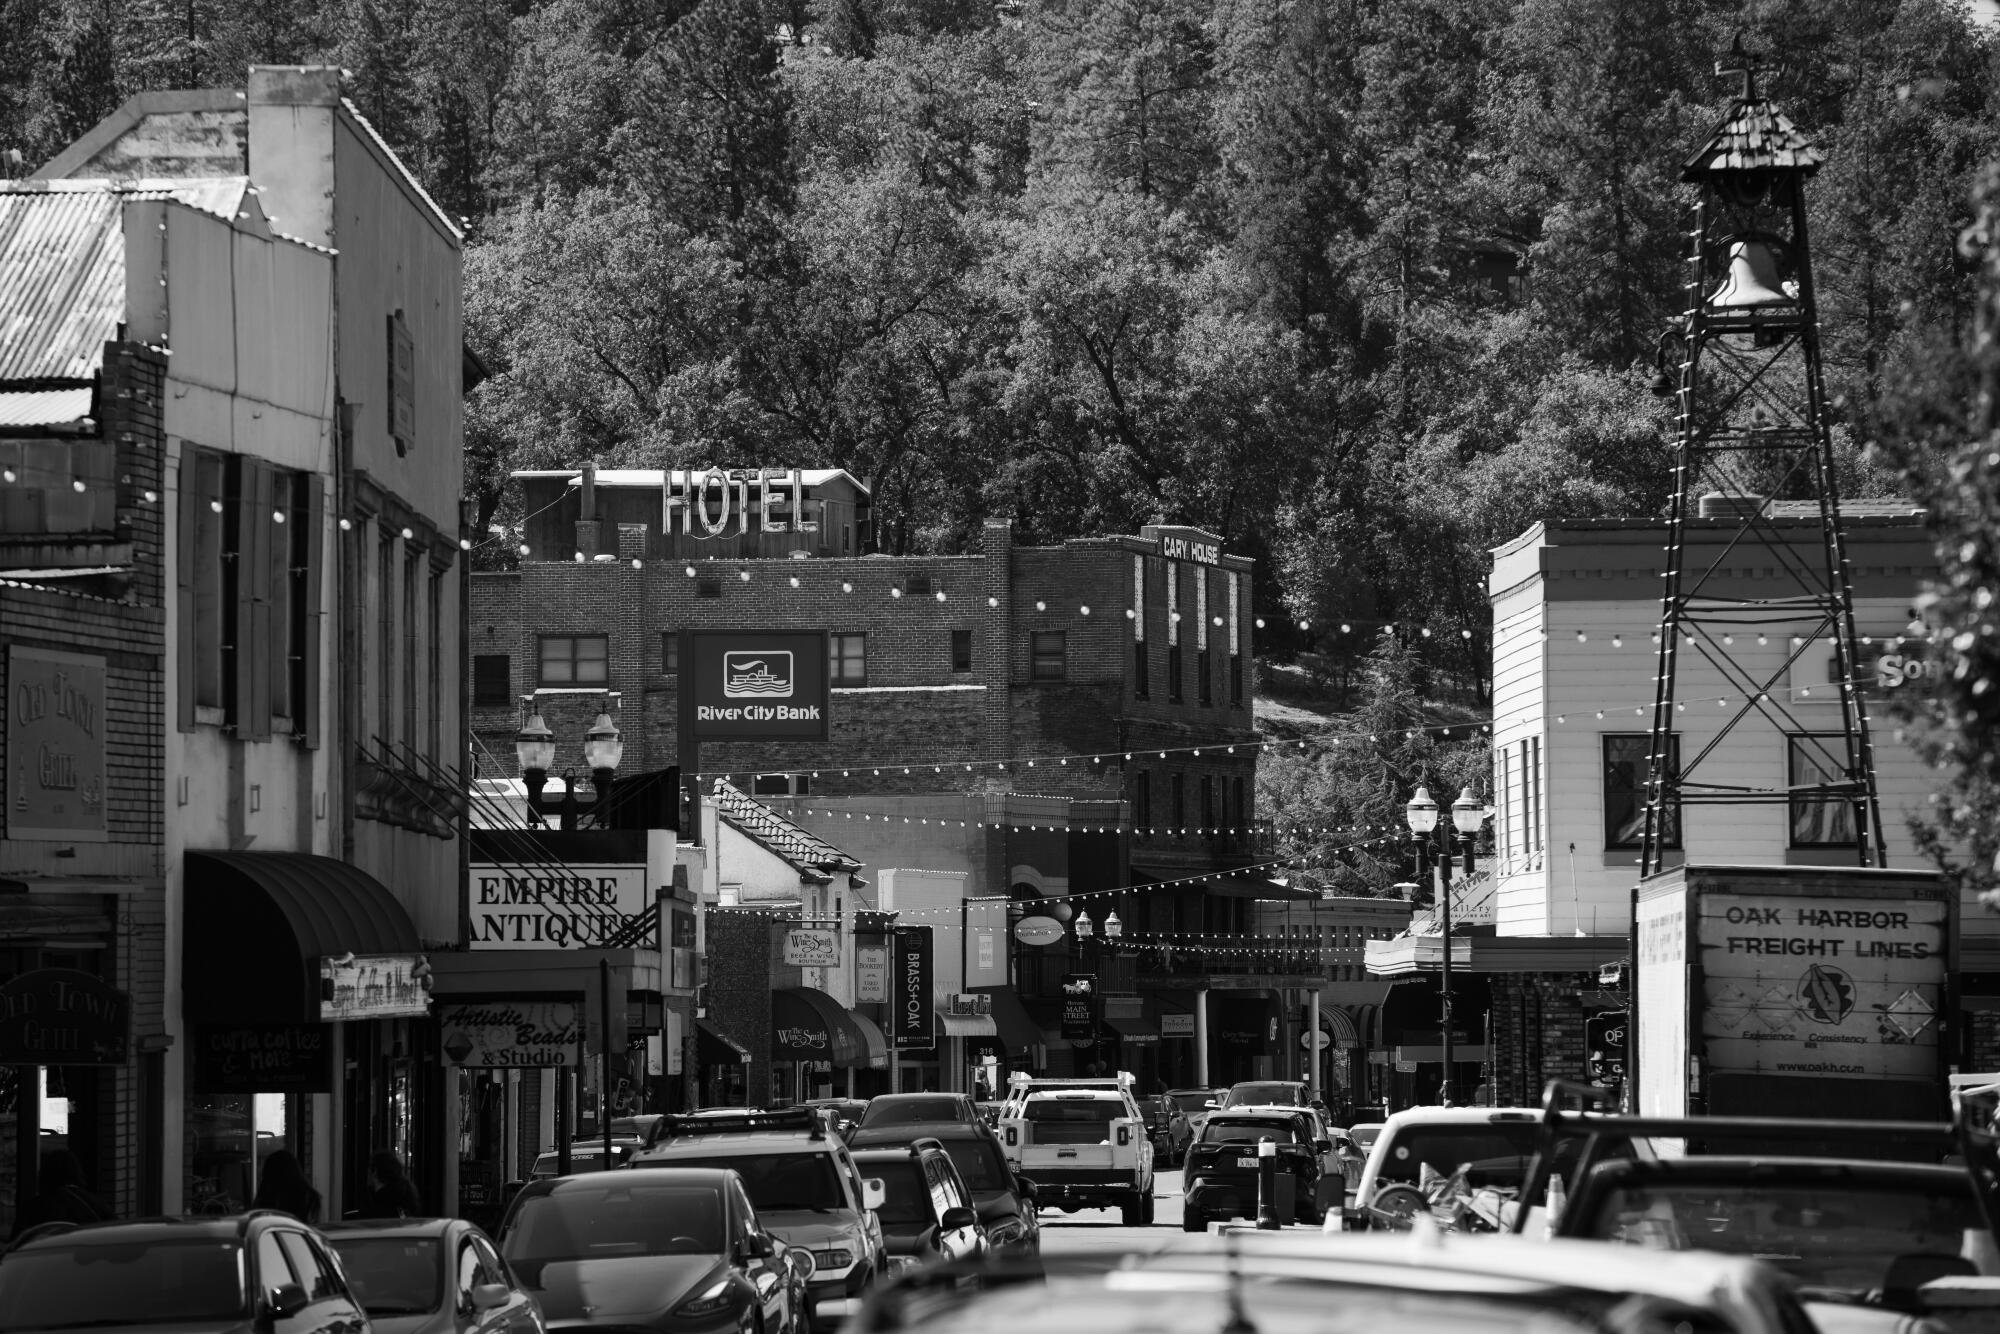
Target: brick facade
[{"x": 1536, "y": 1032}]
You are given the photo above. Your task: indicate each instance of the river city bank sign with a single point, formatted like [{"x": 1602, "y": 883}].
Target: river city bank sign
[{"x": 577, "y": 906}]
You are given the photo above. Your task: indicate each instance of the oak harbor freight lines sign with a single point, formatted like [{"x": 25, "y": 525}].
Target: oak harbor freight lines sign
[
  {"x": 757, "y": 686},
  {"x": 574, "y": 907},
  {"x": 1830, "y": 987}
]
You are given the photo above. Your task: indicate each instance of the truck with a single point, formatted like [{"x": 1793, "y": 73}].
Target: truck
[
  {"x": 1083, "y": 1143},
  {"x": 1791, "y": 991}
]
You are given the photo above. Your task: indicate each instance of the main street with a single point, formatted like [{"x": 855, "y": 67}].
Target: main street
[{"x": 1099, "y": 1231}]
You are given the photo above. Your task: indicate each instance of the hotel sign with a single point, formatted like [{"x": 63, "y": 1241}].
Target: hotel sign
[
  {"x": 756, "y": 686},
  {"x": 573, "y": 907},
  {"x": 710, "y": 502},
  {"x": 55, "y": 745}
]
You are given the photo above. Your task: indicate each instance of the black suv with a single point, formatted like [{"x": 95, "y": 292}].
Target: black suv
[
  {"x": 1006, "y": 1203},
  {"x": 1222, "y": 1167},
  {"x": 257, "y": 1272}
]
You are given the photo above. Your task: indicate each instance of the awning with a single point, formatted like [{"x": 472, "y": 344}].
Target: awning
[
  {"x": 966, "y": 1025},
  {"x": 258, "y": 923},
  {"x": 809, "y": 1025},
  {"x": 1017, "y": 1028},
  {"x": 1133, "y": 1028},
  {"x": 1341, "y": 1024},
  {"x": 712, "y": 1046},
  {"x": 873, "y": 1043}
]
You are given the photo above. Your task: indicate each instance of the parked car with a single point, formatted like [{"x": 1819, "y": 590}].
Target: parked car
[
  {"x": 257, "y": 1273},
  {"x": 846, "y": 1112},
  {"x": 432, "y": 1276},
  {"x": 1006, "y": 1202},
  {"x": 805, "y": 1187},
  {"x": 1194, "y": 1104},
  {"x": 1168, "y": 1126},
  {"x": 1267, "y": 1093},
  {"x": 926, "y": 1211},
  {"x": 584, "y": 1156},
  {"x": 890, "y": 1109},
  {"x": 663, "y": 1250}
]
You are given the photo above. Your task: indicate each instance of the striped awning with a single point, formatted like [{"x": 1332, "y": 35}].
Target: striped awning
[{"x": 1340, "y": 1023}]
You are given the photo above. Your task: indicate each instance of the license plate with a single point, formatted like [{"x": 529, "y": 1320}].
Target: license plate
[
  {"x": 1065, "y": 1153},
  {"x": 1246, "y": 1162}
]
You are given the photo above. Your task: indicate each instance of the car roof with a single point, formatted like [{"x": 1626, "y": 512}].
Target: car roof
[
  {"x": 741, "y": 1144},
  {"x": 1710, "y": 1169},
  {"x": 389, "y": 1227},
  {"x": 1460, "y": 1116},
  {"x": 588, "y": 1181},
  {"x": 1257, "y": 1114},
  {"x": 224, "y": 1227},
  {"x": 882, "y": 1153},
  {"x": 889, "y": 1099},
  {"x": 878, "y": 1137}
]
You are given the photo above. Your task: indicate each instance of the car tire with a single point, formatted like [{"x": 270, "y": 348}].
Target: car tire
[{"x": 1193, "y": 1223}]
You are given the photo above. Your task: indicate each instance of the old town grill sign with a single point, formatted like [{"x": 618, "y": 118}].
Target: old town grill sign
[
  {"x": 60, "y": 1016},
  {"x": 574, "y": 907},
  {"x": 55, "y": 745}
]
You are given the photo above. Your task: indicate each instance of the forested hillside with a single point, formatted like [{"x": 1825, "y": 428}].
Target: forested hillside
[{"x": 1366, "y": 286}]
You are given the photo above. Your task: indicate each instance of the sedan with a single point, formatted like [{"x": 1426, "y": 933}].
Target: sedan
[
  {"x": 431, "y": 1276},
  {"x": 668, "y": 1250}
]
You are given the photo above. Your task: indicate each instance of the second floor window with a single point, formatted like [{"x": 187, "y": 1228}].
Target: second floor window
[
  {"x": 1177, "y": 801},
  {"x": 1818, "y": 822},
  {"x": 1207, "y": 802},
  {"x": 1048, "y": 649},
  {"x": 575, "y": 660},
  {"x": 491, "y": 681},
  {"x": 1142, "y": 799},
  {"x": 1140, "y": 662},
  {"x": 1207, "y": 694},
  {"x": 1173, "y": 673},
  {"x": 670, "y": 652},
  {"x": 847, "y": 660},
  {"x": 1626, "y": 767},
  {"x": 961, "y": 650}
]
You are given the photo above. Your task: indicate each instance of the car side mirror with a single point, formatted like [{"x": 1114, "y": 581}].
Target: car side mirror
[
  {"x": 957, "y": 1217},
  {"x": 1026, "y": 1189},
  {"x": 873, "y": 1193},
  {"x": 287, "y": 1299},
  {"x": 486, "y": 1296},
  {"x": 760, "y": 1245},
  {"x": 1211, "y": 1106}
]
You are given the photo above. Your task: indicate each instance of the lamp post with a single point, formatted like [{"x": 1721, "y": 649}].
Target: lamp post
[
  {"x": 1466, "y": 816},
  {"x": 535, "y": 752}
]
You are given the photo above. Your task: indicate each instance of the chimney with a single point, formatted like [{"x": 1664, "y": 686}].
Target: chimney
[{"x": 586, "y": 513}]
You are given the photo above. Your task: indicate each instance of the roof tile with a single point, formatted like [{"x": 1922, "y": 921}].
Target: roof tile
[{"x": 800, "y": 846}]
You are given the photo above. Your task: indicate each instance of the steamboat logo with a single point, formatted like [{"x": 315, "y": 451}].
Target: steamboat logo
[{"x": 754, "y": 674}]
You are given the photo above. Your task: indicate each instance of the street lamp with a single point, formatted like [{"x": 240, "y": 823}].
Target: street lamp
[
  {"x": 535, "y": 752},
  {"x": 1467, "y": 813}
]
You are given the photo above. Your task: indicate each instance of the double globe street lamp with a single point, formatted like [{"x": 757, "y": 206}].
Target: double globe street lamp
[
  {"x": 535, "y": 751},
  {"x": 1467, "y": 814}
]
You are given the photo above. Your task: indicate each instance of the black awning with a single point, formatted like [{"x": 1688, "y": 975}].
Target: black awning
[
  {"x": 1017, "y": 1028},
  {"x": 257, "y": 924},
  {"x": 1133, "y": 1028},
  {"x": 713, "y": 1047},
  {"x": 809, "y": 1025}
]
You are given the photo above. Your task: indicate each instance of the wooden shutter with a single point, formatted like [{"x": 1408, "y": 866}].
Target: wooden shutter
[
  {"x": 255, "y": 560},
  {"x": 307, "y": 717},
  {"x": 187, "y": 481}
]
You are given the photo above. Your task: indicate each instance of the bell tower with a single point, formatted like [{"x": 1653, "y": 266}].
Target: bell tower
[{"x": 1753, "y": 470}]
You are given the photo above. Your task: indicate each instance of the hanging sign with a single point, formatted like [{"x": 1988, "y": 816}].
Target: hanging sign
[
  {"x": 55, "y": 780},
  {"x": 1176, "y": 1025},
  {"x": 1079, "y": 1007},
  {"x": 871, "y": 975},
  {"x": 1038, "y": 930},
  {"x": 62, "y": 1016},
  {"x": 912, "y": 1019},
  {"x": 812, "y": 947},
  {"x": 1604, "y": 1046},
  {"x": 510, "y": 1033},
  {"x": 262, "y": 1058},
  {"x": 757, "y": 686},
  {"x": 374, "y": 986}
]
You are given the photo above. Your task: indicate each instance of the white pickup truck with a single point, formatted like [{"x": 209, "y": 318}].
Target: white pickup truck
[{"x": 1083, "y": 1142}]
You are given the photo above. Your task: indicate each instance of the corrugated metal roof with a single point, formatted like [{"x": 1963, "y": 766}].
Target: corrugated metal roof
[
  {"x": 62, "y": 281},
  {"x": 800, "y": 846},
  {"x": 44, "y": 407},
  {"x": 1755, "y": 137}
]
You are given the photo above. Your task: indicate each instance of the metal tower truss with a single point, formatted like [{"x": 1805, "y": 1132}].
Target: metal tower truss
[{"x": 1743, "y": 367}]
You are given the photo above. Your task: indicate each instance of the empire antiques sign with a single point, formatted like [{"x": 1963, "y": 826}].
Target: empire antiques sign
[
  {"x": 62, "y": 1016},
  {"x": 55, "y": 745},
  {"x": 756, "y": 686},
  {"x": 519, "y": 1034},
  {"x": 576, "y": 907}
]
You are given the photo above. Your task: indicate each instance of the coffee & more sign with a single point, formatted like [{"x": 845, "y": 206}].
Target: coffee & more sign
[
  {"x": 571, "y": 907},
  {"x": 757, "y": 686}
]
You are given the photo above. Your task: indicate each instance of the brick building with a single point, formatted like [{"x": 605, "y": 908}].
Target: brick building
[{"x": 1056, "y": 723}]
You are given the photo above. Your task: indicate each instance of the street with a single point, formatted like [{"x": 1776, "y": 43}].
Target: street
[{"x": 1098, "y": 1231}]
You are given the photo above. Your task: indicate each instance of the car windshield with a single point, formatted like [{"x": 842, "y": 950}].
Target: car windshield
[
  {"x": 1843, "y": 1237},
  {"x": 392, "y": 1275},
  {"x": 580, "y": 1160},
  {"x": 1497, "y": 1152},
  {"x": 1263, "y": 1095},
  {"x": 1243, "y": 1131},
  {"x": 903, "y": 1111},
  {"x": 979, "y": 1165},
  {"x": 608, "y": 1217},
  {"x": 154, "y": 1281},
  {"x": 1365, "y": 1136},
  {"x": 906, "y": 1198},
  {"x": 1192, "y": 1100},
  {"x": 780, "y": 1182}
]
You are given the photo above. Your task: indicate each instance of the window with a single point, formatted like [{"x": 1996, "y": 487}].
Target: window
[
  {"x": 471, "y": 1273},
  {"x": 961, "y": 650},
  {"x": 1047, "y": 646},
  {"x": 670, "y": 651},
  {"x": 1177, "y": 801},
  {"x": 273, "y": 1271},
  {"x": 1625, "y": 773},
  {"x": 708, "y": 588},
  {"x": 1819, "y": 821},
  {"x": 847, "y": 660},
  {"x": 1236, "y": 678},
  {"x": 917, "y": 585},
  {"x": 780, "y": 785},
  {"x": 316, "y": 1275},
  {"x": 1239, "y": 815},
  {"x": 434, "y": 719},
  {"x": 1521, "y": 777},
  {"x": 289, "y": 497},
  {"x": 575, "y": 660},
  {"x": 492, "y": 680},
  {"x": 1141, "y": 660},
  {"x": 1207, "y": 802},
  {"x": 1142, "y": 799},
  {"x": 1173, "y": 673},
  {"x": 385, "y": 628},
  {"x": 1206, "y": 693}
]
